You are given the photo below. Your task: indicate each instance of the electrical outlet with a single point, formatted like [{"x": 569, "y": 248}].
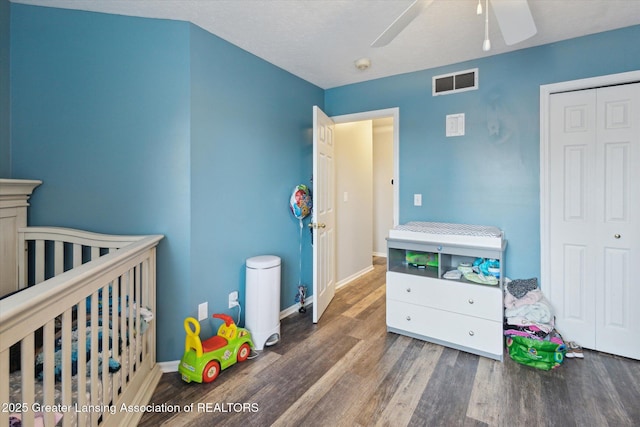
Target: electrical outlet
[
  {"x": 233, "y": 299},
  {"x": 417, "y": 200},
  {"x": 203, "y": 311}
]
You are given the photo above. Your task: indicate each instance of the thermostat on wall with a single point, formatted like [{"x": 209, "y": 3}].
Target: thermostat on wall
[{"x": 455, "y": 124}]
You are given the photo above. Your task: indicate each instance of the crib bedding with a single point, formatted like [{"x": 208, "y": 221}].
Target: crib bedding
[
  {"x": 117, "y": 356},
  {"x": 448, "y": 233},
  {"x": 144, "y": 316},
  {"x": 114, "y": 380}
]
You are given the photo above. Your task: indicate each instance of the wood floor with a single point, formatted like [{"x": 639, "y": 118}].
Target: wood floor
[{"x": 348, "y": 371}]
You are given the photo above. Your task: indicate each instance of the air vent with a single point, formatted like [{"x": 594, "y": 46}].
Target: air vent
[{"x": 455, "y": 82}]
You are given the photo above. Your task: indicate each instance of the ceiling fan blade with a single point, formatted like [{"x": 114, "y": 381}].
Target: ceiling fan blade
[
  {"x": 515, "y": 20},
  {"x": 401, "y": 22}
]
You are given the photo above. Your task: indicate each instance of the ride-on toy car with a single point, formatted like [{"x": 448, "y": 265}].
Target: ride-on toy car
[{"x": 203, "y": 360}]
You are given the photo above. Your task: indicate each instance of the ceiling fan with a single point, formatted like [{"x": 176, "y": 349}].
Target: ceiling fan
[{"x": 513, "y": 16}]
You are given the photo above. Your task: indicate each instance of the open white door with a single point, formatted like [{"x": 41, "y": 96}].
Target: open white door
[{"x": 323, "y": 217}]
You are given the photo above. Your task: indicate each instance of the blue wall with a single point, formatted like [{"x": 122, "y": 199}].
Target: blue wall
[
  {"x": 100, "y": 114},
  {"x": 5, "y": 117},
  {"x": 490, "y": 175},
  {"x": 250, "y": 129},
  {"x": 152, "y": 126}
]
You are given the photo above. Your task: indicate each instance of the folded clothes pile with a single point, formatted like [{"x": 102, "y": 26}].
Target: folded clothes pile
[
  {"x": 473, "y": 273},
  {"x": 529, "y": 326}
]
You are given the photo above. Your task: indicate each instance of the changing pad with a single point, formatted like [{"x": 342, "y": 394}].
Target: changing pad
[{"x": 447, "y": 233}]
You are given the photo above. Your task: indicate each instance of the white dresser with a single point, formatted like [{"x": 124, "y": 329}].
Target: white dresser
[{"x": 460, "y": 314}]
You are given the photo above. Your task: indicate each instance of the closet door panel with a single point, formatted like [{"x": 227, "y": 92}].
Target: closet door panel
[
  {"x": 618, "y": 216},
  {"x": 572, "y": 161},
  {"x": 617, "y": 308},
  {"x": 616, "y": 194},
  {"x": 576, "y": 307}
]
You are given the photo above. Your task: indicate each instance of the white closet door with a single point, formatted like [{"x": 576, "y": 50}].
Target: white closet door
[
  {"x": 572, "y": 242},
  {"x": 618, "y": 220},
  {"x": 595, "y": 216}
]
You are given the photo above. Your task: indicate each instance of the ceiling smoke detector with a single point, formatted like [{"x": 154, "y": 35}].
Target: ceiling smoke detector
[{"x": 362, "y": 63}]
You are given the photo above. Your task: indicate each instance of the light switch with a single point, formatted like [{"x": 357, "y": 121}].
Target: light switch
[
  {"x": 455, "y": 124},
  {"x": 417, "y": 200},
  {"x": 345, "y": 196}
]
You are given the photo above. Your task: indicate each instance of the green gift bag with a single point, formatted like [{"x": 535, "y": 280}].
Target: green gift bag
[{"x": 538, "y": 354}]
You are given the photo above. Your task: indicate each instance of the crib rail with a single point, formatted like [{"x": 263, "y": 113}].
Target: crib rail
[
  {"x": 53, "y": 250},
  {"x": 95, "y": 305}
]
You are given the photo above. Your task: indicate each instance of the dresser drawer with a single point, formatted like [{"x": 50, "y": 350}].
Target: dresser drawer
[
  {"x": 465, "y": 331},
  {"x": 474, "y": 300}
]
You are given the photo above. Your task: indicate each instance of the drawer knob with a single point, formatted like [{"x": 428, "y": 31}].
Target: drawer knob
[
  {"x": 408, "y": 318},
  {"x": 470, "y": 301},
  {"x": 408, "y": 289},
  {"x": 471, "y": 333}
]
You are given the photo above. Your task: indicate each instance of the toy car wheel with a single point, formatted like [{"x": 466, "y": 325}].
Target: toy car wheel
[
  {"x": 211, "y": 371},
  {"x": 243, "y": 352}
]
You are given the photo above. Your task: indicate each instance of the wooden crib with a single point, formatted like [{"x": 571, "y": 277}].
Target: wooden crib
[{"x": 77, "y": 341}]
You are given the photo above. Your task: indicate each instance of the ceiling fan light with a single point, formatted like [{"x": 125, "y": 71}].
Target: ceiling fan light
[
  {"x": 486, "y": 45},
  {"x": 479, "y": 8}
]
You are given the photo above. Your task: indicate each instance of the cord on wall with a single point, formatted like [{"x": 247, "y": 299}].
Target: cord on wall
[{"x": 239, "y": 311}]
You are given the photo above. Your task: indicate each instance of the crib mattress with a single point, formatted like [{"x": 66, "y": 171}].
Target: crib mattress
[{"x": 448, "y": 233}]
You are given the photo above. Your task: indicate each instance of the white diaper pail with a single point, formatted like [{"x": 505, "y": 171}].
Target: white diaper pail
[{"x": 262, "y": 316}]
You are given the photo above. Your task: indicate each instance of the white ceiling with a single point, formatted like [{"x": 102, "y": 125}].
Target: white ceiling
[{"x": 319, "y": 40}]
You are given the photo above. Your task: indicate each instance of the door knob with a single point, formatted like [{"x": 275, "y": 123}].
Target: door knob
[
  {"x": 316, "y": 225},
  {"x": 617, "y": 236}
]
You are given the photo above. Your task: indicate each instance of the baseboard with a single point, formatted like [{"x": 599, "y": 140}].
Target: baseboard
[
  {"x": 380, "y": 254},
  {"x": 294, "y": 308},
  {"x": 171, "y": 366},
  {"x": 353, "y": 277}
]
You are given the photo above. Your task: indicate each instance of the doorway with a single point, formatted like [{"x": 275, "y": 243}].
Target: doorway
[{"x": 366, "y": 189}]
